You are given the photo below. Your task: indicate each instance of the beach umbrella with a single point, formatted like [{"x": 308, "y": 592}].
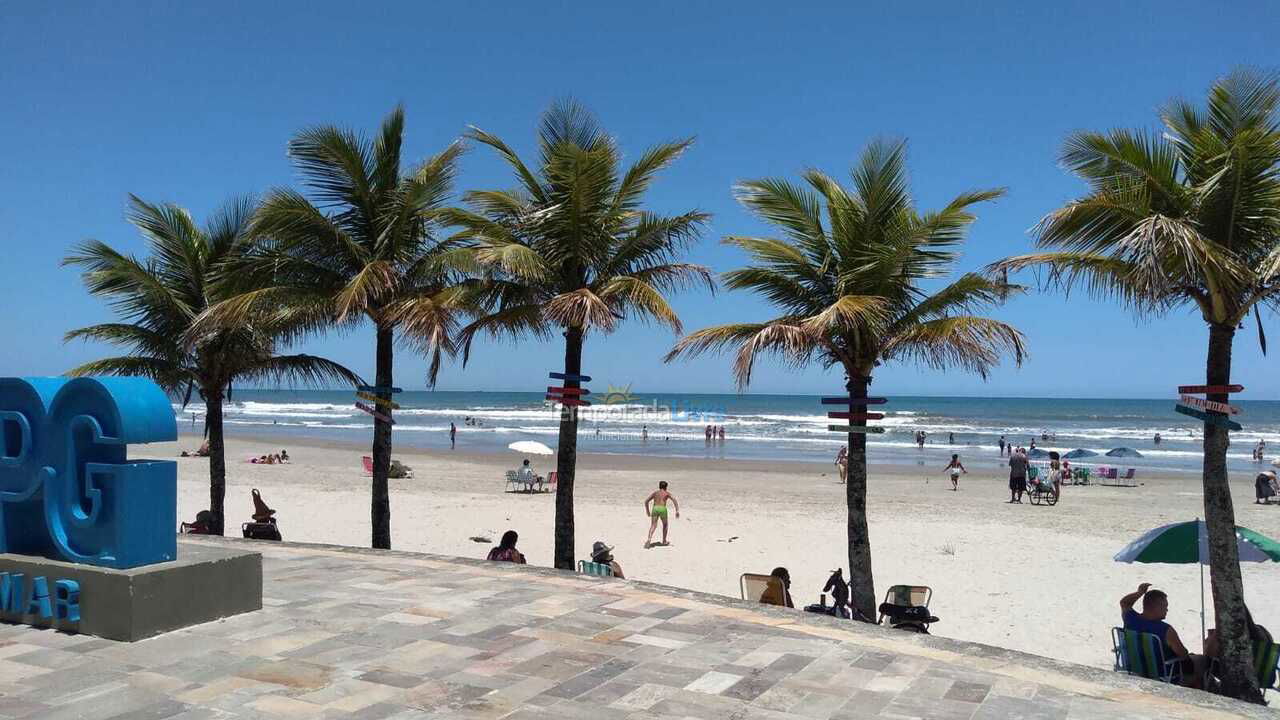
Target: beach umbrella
[
  {"x": 531, "y": 447},
  {"x": 1188, "y": 542},
  {"x": 1124, "y": 453},
  {"x": 1079, "y": 453}
]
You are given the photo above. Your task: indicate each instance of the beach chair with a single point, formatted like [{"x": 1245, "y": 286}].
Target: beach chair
[
  {"x": 513, "y": 481},
  {"x": 368, "y": 464},
  {"x": 1127, "y": 479},
  {"x": 1141, "y": 654},
  {"x": 754, "y": 586},
  {"x": 907, "y": 608},
  {"x": 1265, "y": 658},
  {"x": 595, "y": 569}
]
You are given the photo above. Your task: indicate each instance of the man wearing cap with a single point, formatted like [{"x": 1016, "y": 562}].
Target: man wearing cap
[{"x": 603, "y": 554}]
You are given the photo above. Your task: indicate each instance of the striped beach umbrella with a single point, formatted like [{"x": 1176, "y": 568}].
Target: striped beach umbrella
[{"x": 1188, "y": 542}]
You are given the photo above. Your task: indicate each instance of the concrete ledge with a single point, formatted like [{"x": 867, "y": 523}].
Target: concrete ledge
[
  {"x": 1160, "y": 699},
  {"x": 207, "y": 582}
]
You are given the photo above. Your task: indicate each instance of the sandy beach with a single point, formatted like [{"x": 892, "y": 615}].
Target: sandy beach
[{"x": 1036, "y": 579}]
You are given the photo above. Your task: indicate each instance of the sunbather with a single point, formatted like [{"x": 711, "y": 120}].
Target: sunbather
[
  {"x": 506, "y": 550},
  {"x": 778, "y": 593},
  {"x": 1155, "y": 608},
  {"x": 526, "y": 476},
  {"x": 603, "y": 554}
]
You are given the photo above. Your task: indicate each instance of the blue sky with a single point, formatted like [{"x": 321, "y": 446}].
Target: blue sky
[{"x": 193, "y": 103}]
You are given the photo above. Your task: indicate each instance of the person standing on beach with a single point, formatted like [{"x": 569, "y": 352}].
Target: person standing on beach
[
  {"x": 453, "y": 436},
  {"x": 659, "y": 498},
  {"x": 842, "y": 462},
  {"x": 1017, "y": 476},
  {"x": 1001, "y": 446},
  {"x": 954, "y": 468},
  {"x": 721, "y": 431}
]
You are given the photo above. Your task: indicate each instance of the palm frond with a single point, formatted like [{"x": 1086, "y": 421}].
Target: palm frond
[{"x": 972, "y": 344}]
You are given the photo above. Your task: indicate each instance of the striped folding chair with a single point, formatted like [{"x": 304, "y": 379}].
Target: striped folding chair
[
  {"x": 1265, "y": 657},
  {"x": 1141, "y": 654},
  {"x": 596, "y": 569}
]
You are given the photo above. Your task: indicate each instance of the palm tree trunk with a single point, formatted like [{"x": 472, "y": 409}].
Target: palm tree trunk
[
  {"x": 217, "y": 458},
  {"x": 862, "y": 589},
  {"x": 567, "y": 454},
  {"x": 1238, "y": 677},
  {"x": 380, "y": 510}
]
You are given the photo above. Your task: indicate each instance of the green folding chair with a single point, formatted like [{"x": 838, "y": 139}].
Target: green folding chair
[
  {"x": 594, "y": 568},
  {"x": 1142, "y": 654},
  {"x": 1265, "y": 657}
]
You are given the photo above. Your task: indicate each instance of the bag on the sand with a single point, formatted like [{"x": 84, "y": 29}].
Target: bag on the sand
[{"x": 260, "y": 531}]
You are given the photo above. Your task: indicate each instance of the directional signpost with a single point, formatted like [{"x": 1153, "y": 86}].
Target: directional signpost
[
  {"x": 1212, "y": 413},
  {"x": 857, "y": 410},
  {"x": 569, "y": 396},
  {"x": 1212, "y": 419}
]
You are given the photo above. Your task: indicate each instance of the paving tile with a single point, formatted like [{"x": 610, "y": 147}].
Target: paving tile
[{"x": 409, "y": 637}]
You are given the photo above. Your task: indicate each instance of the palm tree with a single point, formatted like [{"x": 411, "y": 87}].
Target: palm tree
[
  {"x": 846, "y": 279},
  {"x": 363, "y": 246},
  {"x": 1190, "y": 216},
  {"x": 572, "y": 249},
  {"x": 158, "y": 300}
]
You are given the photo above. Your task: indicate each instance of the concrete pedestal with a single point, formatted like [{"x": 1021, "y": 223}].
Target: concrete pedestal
[{"x": 205, "y": 583}]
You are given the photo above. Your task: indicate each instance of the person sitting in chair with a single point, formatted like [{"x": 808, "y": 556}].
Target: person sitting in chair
[
  {"x": 778, "y": 593},
  {"x": 603, "y": 555},
  {"x": 1155, "y": 608},
  {"x": 526, "y": 476}
]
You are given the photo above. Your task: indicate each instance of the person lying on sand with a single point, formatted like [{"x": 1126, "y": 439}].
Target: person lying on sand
[{"x": 659, "y": 499}]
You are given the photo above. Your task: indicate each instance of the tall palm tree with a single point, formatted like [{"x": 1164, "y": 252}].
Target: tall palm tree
[
  {"x": 571, "y": 249},
  {"x": 158, "y": 300},
  {"x": 846, "y": 277},
  {"x": 363, "y": 246},
  {"x": 1189, "y": 216}
]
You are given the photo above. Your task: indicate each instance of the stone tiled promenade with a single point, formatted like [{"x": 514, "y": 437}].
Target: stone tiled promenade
[{"x": 355, "y": 634}]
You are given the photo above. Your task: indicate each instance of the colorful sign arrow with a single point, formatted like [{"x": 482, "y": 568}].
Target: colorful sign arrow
[
  {"x": 377, "y": 400},
  {"x": 1203, "y": 404},
  {"x": 856, "y": 429},
  {"x": 855, "y": 416},
  {"x": 374, "y": 389},
  {"x": 570, "y": 377},
  {"x": 1210, "y": 389},
  {"x": 568, "y": 390},
  {"x": 375, "y": 413},
  {"x": 1214, "y": 419},
  {"x": 846, "y": 400},
  {"x": 569, "y": 401}
]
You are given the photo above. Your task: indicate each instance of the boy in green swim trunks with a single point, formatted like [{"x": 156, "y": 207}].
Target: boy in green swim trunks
[{"x": 659, "y": 498}]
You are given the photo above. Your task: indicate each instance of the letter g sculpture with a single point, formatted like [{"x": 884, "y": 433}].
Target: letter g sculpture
[{"x": 67, "y": 490}]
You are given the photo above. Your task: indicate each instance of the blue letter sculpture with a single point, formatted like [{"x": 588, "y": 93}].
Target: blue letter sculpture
[{"x": 67, "y": 491}]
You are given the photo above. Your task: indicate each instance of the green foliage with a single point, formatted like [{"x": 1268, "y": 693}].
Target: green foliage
[
  {"x": 365, "y": 244},
  {"x": 571, "y": 245},
  {"x": 1191, "y": 214},
  {"x": 160, "y": 297},
  {"x": 846, "y": 275}
]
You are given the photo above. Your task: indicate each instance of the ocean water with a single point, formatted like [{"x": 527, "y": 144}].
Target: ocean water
[{"x": 768, "y": 427}]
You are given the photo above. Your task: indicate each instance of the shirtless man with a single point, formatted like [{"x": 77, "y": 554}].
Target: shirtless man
[{"x": 659, "y": 498}]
